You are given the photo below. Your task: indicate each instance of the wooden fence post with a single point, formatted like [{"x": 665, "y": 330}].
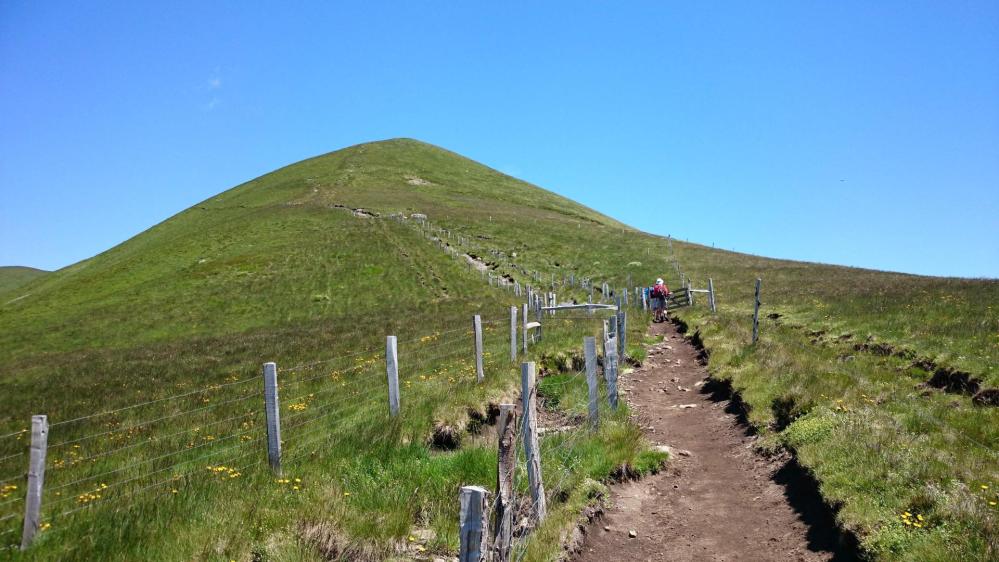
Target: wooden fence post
[
  {"x": 531, "y": 448},
  {"x": 472, "y": 524},
  {"x": 711, "y": 295},
  {"x": 513, "y": 334},
  {"x": 272, "y": 412},
  {"x": 540, "y": 329},
  {"x": 477, "y": 327},
  {"x": 610, "y": 371},
  {"x": 590, "y": 355},
  {"x": 523, "y": 327},
  {"x": 756, "y": 311},
  {"x": 36, "y": 479},
  {"x": 506, "y": 465},
  {"x": 622, "y": 328},
  {"x": 392, "y": 369}
]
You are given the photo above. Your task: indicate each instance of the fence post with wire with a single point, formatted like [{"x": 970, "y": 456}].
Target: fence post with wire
[
  {"x": 477, "y": 327},
  {"x": 392, "y": 370},
  {"x": 272, "y": 411},
  {"x": 590, "y": 358},
  {"x": 524, "y": 327},
  {"x": 756, "y": 311},
  {"x": 610, "y": 371},
  {"x": 504, "y": 505},
  {"x": 513, "y": 334},
  {"x": 531, "y": 448},
  {"x": 36, "y": 479}
]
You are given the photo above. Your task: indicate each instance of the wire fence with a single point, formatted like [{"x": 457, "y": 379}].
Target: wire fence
[
  {"x": 134, "y": 454},
  {"x": 113, "y": 458}
]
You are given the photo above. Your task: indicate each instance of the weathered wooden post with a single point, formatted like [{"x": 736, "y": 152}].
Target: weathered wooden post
[
  {"x": 392, "y": 369},
  {"x": 622, "y": 329},
  {"x": 272, "y": 412},
  {"x": 531, "y": 448},
  {"x": 523, "y": 328},
  {"x": 610, "y": 371},
  {"x": 36, "y": 479},
  {"x": 503, "y": 508},
  {"x": 477, "y": 328},
  {"x": 540, "y": 328},
  {"x": 756, "y": 311},
  {"x": 590, "y": 355},
  {"x": 513, "y": 334},
  {"x": 711, "y": 295},
  {"x": 472, "y": 524}
]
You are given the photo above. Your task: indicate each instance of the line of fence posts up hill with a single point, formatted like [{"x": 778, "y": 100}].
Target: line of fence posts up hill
[{"x": 115, "y": 475}]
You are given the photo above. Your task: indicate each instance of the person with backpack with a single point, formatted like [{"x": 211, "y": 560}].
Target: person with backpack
[{"x": 660, "y": 292}]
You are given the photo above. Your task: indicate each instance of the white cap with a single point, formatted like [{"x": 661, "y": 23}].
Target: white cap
[{"x": 659, "y": 281}]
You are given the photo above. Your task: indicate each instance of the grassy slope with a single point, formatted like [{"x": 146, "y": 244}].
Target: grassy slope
[
  {"x": 14, "y": 276},
  {"x": 272, "y": 270},
  {"x": 276, "y": 269}
]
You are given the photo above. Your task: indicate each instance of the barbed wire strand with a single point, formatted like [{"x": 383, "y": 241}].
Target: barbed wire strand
[
  {"x": 156, "y": 420},
  {"x": 210, "y": 388}
]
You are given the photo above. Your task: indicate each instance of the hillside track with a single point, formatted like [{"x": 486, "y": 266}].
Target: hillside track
[{"x": 718, "y": 499}]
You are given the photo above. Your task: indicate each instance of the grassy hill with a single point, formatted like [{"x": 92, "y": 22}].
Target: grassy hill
[
  {"x": 14, "y": 276},
  {"x": 870, "y": 377}
]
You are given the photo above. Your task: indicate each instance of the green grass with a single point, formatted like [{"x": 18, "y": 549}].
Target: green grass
[
  {"x": 12, "y": 277},
  {"x": 279, "y": 269}
]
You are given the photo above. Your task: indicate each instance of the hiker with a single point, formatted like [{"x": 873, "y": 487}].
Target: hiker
[{"x": 660, "y": 292}]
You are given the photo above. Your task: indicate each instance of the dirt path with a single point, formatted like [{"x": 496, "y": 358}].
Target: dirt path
[{"x": 718, "y": 499}]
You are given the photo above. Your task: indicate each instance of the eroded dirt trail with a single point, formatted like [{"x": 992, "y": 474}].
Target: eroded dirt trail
[{"x": 718, "y": 499}]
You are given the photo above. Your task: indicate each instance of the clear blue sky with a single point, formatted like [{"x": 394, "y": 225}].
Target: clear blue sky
[{"x": 860, "y": 133}]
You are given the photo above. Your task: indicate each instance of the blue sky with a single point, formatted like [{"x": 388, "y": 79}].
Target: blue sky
[{"x": 858, "y": 133}]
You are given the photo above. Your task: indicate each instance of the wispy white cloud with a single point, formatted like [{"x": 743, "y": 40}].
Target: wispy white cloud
[{"x": 212, "y": 87}]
